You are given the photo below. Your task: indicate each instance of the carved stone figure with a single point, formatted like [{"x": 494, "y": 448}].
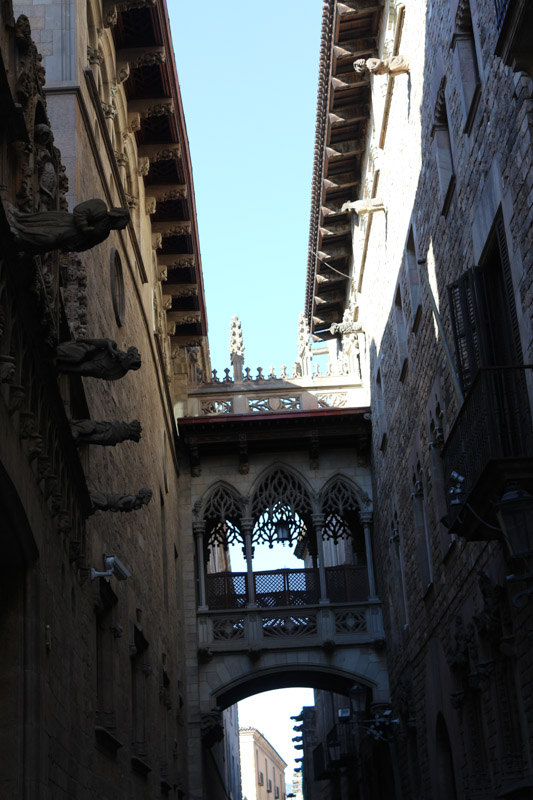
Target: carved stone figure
[
  {"x": 96, "y": 358},
  {"x": 105, "y": 432},
  {"x": 212, "y": 729},
  {"x": 101, "y": 501},
  {"x": 89, "y": 224},
  {"x": 396, "y": 65},
  {"x": 368, "y": 206},
  {"x": 46, "y": 170}
]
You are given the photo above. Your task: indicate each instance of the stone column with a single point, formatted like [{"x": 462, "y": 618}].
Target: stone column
[
  {"x": 199, "y": 532},
  {"x": 366, "y": 521},
  {"x": 318, "y": 523},
  {"x": 247, "y": 526}
]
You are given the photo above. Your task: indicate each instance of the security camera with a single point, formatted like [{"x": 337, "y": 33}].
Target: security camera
[
  {"x": 119, "y": 570},
  {"x": 114, "y": 566}
]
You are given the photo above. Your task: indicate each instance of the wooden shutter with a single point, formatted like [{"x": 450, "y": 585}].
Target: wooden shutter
[{"x": 466, "y": 327}]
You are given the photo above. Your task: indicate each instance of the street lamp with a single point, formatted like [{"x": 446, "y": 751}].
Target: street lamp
[
  {"x": 283, "y": 531},
  {"x": 358, "y": 698}
]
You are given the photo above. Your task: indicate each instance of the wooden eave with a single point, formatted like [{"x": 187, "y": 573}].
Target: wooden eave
[
  {"x": 152, "y": 91},
  {"x": 349, "y": 31},
  {"x": 274, "y": 432}
]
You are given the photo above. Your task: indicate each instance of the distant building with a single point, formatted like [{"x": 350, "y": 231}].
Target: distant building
[{"x": 262, "y": 768}]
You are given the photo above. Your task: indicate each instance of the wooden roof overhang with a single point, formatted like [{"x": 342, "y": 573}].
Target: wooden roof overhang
[
  {"x": 155, "y": 111},
  {"x": 349, "y": 32},
  {"x": 245, "y": 434}
]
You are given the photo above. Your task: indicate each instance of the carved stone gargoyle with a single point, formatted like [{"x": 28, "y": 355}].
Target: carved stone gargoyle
[
  {"x": 212, "y": 729},
  {"x": 105, "y": 432},
  {"x": 102, "y": 501},
  {"x": 368, "y": 206},
  {"x": 89, "y": 224},
  {"x": 396, "y": 65},
  {"x": 96, "y": 358}
]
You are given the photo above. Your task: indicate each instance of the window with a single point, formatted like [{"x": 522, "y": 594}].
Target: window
[
  {"x": 381, "y": 423},
  {"x": 413, "y": 280},
  {"x": 118, "y": 295},
  {"x": 261, "y": 779},
  {"x": 269, "y": 786},
  {"x": 401, "y": 333},
  {"x": 465, "y": 63},
  {"x": 442, "y": 148},
  {"x": 483, "y": 311}
]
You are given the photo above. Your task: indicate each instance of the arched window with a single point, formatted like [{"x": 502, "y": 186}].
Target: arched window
[{"x": 281, "y": 508}]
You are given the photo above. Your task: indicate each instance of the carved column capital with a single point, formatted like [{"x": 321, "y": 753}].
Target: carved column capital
[{"x": 366, "y": 516}]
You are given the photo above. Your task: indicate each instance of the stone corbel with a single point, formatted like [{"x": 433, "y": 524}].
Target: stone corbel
[
  {"x": 143, "y": 166},
  {"x": 111, "y": 9},
  {"x": 160, "y": 152},
  {"x": 164, "y": 193},
  {"x": 110, "y": 111},
  {"x": 167, "y": 302},
  {"x": 396, "y": 65},
  {"x": 172, "y": 228},
  {"x": 157, "y": 241},
  {"x": 134, "y": 121},
  {"x": 173, "y": 261},
  {"x": 150, "y": 206},
  {"x": 151, "y": 107}
]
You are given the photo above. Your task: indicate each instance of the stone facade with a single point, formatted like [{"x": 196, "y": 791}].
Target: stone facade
[
  {"x": 448, "y": 154},
  {"x": 263, "y": 769},
  {"x": 94, "y": 699}
]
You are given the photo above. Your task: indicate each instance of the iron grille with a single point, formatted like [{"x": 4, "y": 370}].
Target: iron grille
[
  {"x": 493, "y": 425},
  {"x": 286, "y": 588},
  {"x": 227, "y": 590},
  {"x": 347, "y": 584}
]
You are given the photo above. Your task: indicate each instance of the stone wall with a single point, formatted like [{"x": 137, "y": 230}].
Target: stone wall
[{"x": 493, "y": 169}]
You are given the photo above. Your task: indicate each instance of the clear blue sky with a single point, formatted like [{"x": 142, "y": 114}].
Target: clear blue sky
[{"x": 248, "y": 74}]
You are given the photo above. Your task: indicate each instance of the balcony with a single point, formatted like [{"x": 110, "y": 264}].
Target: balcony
[
  {"x": 287, "y": 587},
  {"x": 287, "y": 610},
  {"x": 490, "y": 444}
]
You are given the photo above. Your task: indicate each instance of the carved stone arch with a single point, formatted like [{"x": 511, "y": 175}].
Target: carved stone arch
[
  {"x": 281, "y": 494},
  {"x": 341, "y": 502},
  {"x": 221, "y": 507}
]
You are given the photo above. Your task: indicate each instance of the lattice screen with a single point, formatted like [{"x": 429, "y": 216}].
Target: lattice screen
[
  {"x": 222, "y": 512},
  {"x": 281, "y": 497}
]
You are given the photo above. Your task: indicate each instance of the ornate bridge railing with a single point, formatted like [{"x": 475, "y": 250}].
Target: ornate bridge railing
[
  {"x": 262, "y": 629},
  {"x": 287, "y": 587}
]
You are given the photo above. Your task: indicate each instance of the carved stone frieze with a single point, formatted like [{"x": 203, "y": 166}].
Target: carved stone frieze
[{"x": 75, "y": 293}]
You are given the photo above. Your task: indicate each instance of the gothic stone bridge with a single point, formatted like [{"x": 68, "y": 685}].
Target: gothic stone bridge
[{"x": 305, "y": 480}]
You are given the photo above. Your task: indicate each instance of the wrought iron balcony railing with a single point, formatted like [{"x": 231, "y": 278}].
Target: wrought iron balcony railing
[
  {"x": 491, "y": 441},
  {"x": 287, "y": 587}
]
